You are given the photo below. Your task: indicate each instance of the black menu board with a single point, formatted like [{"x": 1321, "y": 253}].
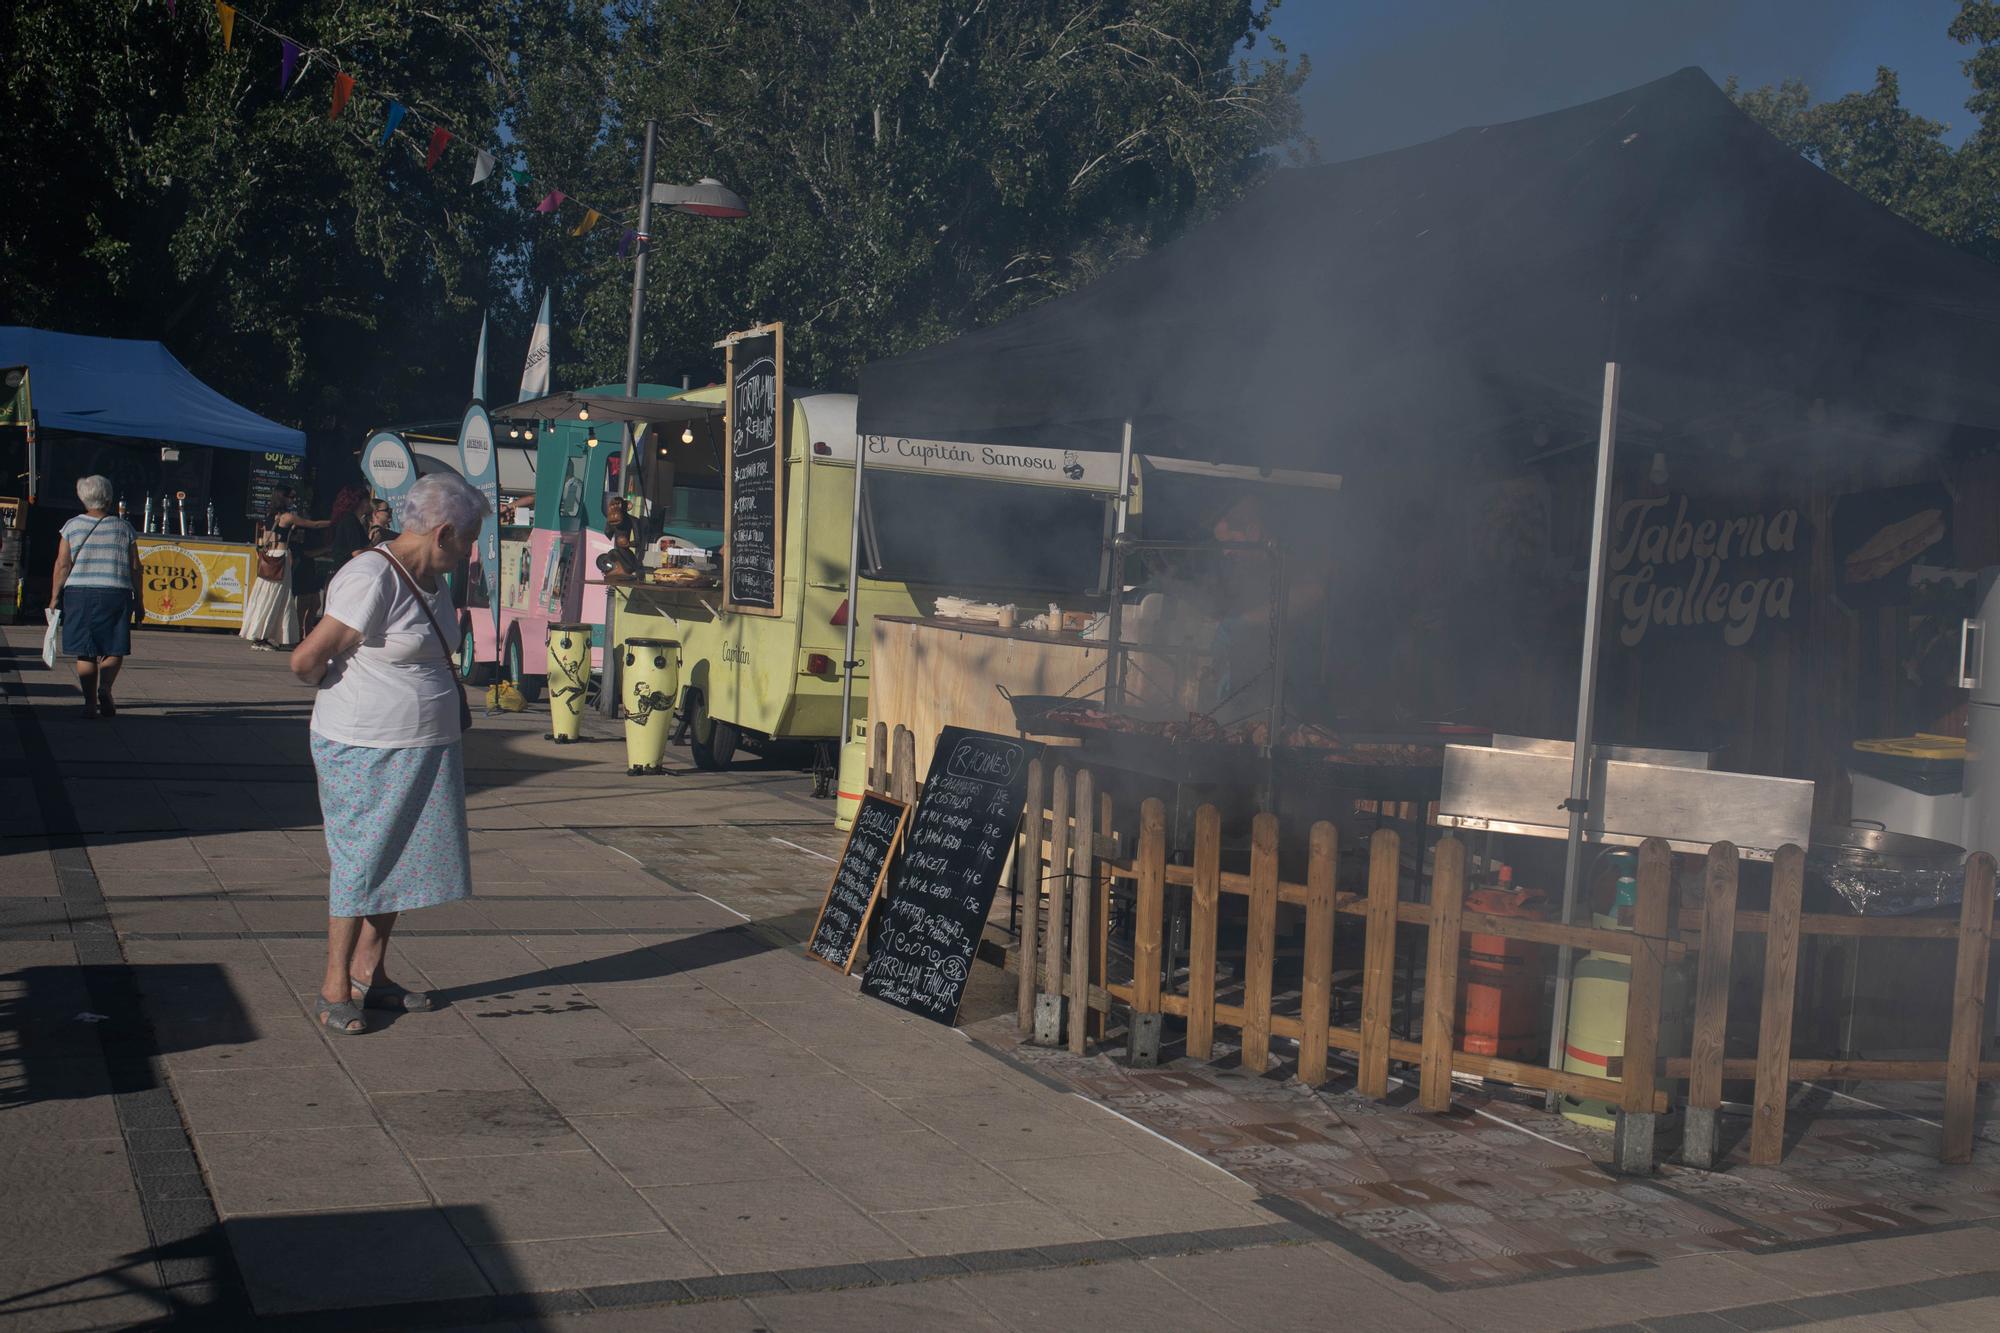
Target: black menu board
[
  {"x": 954, "y": 847},
  {"x": 269, "y": 472},
  {"x": 754, "y": 480},
  {"x": 857, "y": 881}
]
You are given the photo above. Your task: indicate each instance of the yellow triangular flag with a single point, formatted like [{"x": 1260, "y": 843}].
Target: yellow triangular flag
[
  {"x": 226, "y": 13},
  {"x": 589, "y": 221}
]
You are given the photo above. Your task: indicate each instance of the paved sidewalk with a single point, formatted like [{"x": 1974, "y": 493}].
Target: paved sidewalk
[{"x": 641, "y": 1104}]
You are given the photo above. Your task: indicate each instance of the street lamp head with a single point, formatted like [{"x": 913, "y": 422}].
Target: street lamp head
[{"x": 707, "y": 198}]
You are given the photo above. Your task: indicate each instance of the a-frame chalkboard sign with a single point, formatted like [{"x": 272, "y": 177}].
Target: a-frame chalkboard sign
[
  {"x": 954, "y": 846},
  {"x": 857, "y": 881}
]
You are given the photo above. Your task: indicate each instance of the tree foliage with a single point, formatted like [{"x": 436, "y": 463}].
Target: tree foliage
[{"x": 914, "y": 168}]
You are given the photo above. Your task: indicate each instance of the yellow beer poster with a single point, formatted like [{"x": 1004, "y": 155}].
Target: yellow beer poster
[{"x": 186, "y": 581}]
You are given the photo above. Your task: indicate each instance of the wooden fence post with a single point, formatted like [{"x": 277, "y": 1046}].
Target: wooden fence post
[
  {"x": 1143, "y": 1039},
  {"x": 1711, "y": 1007},
  {"x": 1968, "y": 1008},
  {"x": 1260, "y": 943},
  {"x": 1203, "y": 904},
  {"x": 906, "y": 764},
  {"x": 1378, "y": 965},
  {"x": 1316, "y": 990},
  {"x": 1083, "y": 896},
  {"x": 878, "y": 758},
  {"x": 1632, "y": 1143},
  {"x": 1774, "y": 1028},
  {"x": 1049, "y": 1007},
  {"x": 1441, "y": 975},
  {"x": 1028, "y": 893}
]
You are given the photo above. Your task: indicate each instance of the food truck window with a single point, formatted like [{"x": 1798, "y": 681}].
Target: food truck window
[
  {"x": 682, "y": 483},
  {"x": 966, "y": 533}
]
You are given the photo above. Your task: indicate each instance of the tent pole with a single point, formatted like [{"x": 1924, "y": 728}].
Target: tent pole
[
  {"x": 1114, "y": 567},
  {"x": 847, "y": 662},
  {"x": 1578, "y": 804}
]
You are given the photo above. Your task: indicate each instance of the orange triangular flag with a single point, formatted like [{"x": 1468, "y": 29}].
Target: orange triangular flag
[
  {"x": 343, "y": 88},
  {"x": 227, "y": 14},
  {"x": 589, "y": 221}
]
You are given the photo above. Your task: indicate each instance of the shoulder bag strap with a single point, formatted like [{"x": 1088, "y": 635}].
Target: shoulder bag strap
[{"x": 423, "y": 603}]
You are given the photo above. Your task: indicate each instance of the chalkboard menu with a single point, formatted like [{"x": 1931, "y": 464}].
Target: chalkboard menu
[
  {"x": 942, "y": 887},
  {"x": 754, "y": 480},
  {"x": 269, "y": 472},
  {"x": 857, "y": 881}
]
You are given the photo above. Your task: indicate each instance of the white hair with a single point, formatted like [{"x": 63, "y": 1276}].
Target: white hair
[
  {"x": 95, "y": 492},
  {"x": 443, "y": 498}
]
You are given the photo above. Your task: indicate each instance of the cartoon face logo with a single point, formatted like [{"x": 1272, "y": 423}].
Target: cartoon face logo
[{"x": 1072, "y": 466}]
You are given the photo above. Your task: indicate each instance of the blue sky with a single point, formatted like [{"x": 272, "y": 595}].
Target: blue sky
[{"x": 1388, "y": 73}]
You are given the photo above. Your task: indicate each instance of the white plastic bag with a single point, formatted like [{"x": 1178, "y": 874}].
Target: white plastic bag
[{"x": 52, "y": 638}]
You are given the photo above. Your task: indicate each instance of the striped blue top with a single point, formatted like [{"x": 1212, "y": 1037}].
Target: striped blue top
[{"x": 101, "y": 550}]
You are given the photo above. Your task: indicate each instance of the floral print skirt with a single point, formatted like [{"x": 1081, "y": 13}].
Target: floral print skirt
[{"x": 395, "y": 826}]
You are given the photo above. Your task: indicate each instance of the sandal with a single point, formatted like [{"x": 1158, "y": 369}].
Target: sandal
[
  {"x": 106, "y": 706},
  {"x": 388, "y": 995},
  {"x": 335, "y": 1015}
]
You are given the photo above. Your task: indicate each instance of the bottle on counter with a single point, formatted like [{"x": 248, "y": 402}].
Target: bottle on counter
[
  {"x": 208, "y": 520},
  {"x": 121, "y": 506},
  {"x": 146, "y": 524}
]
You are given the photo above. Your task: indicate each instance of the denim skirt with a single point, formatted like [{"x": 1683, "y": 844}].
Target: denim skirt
[{"x": 96, "y": 622}]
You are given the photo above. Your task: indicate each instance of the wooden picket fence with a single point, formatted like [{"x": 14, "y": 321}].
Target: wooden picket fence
[{"x": 1066, "y": 864}]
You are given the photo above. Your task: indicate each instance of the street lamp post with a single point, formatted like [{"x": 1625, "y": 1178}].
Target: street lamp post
[{"x": 707, "y": 198}]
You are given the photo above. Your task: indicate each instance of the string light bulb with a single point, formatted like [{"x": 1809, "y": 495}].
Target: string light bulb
[
  {"x": 687, "y": 434},
  {"x": 513, "y": 432},
  {"x": 590, "y": 440},
  {"x": 530, "y": 434},
  {"x": 583, "y": 412}
]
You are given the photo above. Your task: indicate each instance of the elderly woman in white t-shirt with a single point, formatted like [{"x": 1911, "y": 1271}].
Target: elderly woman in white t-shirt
[{"x": 386, "y": 743}]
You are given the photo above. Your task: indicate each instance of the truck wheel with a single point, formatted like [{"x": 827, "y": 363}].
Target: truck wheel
[
  {"x": 517, "y": 675},
  {"x": 471, "y": 671},
  {"x": 712, "y": 742}
]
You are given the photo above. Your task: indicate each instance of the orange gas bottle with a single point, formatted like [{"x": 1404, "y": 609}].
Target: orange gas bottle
[{"x": 1500, "y": 979}]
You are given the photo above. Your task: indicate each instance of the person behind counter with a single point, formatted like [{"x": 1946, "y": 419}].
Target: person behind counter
[
  {"x": 271, "y": 616},
  {"x": 388, "y": 746},
  {"x": 97, "y": 568}
]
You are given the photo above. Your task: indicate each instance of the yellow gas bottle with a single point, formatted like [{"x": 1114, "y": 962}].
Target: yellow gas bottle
[
  {"x": 569, "y": 680},
  {"x": 652, "y": 680},
  {"x": 853, "y": 777},
  {"x": 1600, "y": 987}
]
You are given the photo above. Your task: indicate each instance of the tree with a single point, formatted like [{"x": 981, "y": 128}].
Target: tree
[{"x": 913, "y": 168}]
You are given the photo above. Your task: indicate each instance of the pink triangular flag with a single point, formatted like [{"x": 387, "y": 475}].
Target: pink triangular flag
[{"x": 548, "y": 204}]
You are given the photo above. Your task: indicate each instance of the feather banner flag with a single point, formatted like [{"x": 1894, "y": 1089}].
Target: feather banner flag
[
  {"x": 396, "y": 110},
  {"x": 226, "y": 15},
  {"x": 483, "y": 167},
  {"x": 589, "y": 220},
  {"x": 440, "y": 136},
  {"x": 288, "y": 60},
  {"x": 343, "y": 88},
  {"x": 550, "y": 201}
]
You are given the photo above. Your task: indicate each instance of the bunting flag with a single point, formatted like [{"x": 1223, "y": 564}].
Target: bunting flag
[
  {"x": 549, "y": 202},
  {"x": 395, "y": 118},
  {"x": 589, "y": 221},
  {"x": 625, "y": 242},
  {"x": 288, "y": 60},
  {"x": 170, "y": 10},
  {"x": 522, "y": 178},
  {"x": 343, "y": 88},
  {"x": 440, "y": 136},
  {"x": 483, "y": 167},
  {"x": 479, "y": 365},
  {"x": 226, "y": 14}
]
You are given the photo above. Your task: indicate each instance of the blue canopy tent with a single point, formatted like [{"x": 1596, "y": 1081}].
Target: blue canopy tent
[{"x": 132, "y": 388}]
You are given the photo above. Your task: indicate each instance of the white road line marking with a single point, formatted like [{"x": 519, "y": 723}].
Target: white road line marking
[
  {"x": 1109, "y": 1110},
  {"x": 807, "y": 850},
  {"x": 627, "y": 855},
  {"x": 1874, "y": 1105},
  {"x": 744, "y": 916}
]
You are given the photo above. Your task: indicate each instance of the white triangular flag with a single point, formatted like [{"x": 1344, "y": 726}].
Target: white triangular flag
[
  {"x": 479, "y": 366},
  {"x": 482, "y": 168},
  {"x": 535, "y": 374}
]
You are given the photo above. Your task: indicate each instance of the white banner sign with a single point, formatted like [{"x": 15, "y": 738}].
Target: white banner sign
[{"x": 1067, "y": 468}]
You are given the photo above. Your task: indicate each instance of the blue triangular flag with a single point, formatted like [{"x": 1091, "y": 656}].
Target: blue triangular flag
[{"x": 395, "y": 119}]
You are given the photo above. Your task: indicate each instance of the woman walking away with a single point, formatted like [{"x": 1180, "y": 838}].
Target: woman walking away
[
  {"x": 97, "y": 568},
  {"x": 271, "y": 616},
  {"x": 387, "y": 731}
]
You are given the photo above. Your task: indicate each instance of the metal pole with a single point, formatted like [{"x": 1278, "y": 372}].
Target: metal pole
[
  {"x": 848, "y": 662},
  {"x": 1114, "y": 652},
  {"x": 1580, "y": 767},
  {"x": 608, "y": 691}
]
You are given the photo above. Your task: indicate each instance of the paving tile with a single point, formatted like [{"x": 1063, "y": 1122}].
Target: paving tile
[
  {"x": 1123, "y": 1194},
  {"x": 433, "y": 1064},
  {"x": 538, "y": 1196},
  {"x": 1679, "y": 1286},
  {"x": 375, "y": 1256},
  {"x": 475, "y": 1124},
  {"x": 735, "y": 1047},
  {"x": 918, "y": 1169},
  {"x": 1871, "y": 1263},
  {"x": 1105, "y": 1298},
  {"x": 588, "y": 1261},
  {"x": 966, "y": 1228},
  {"x": 291, "y": 1043},
  {"x": 610, "y": 1084},
  {"x": 79, "y": 1290},
  {"x": 1006, "y": 1127},
  {"x": 809, "y": 1107},
  {"x": 755, "y": 1226},
  {"x": 65, "y": 1222},
  {"x": 304, "y": 1097},
  {"x": 924, "y": 1305},
  {"x": 709, "y": 1317},
  {"x": 307, "y": 1170},
  {"x": 685, "y": 1146},
  {"x": 31, "y": 1167}
]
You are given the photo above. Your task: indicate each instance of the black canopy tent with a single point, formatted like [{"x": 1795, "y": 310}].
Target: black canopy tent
[{"x": 1655, "y": 258}]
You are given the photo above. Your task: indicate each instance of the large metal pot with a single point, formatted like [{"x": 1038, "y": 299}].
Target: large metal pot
[{"x": 1862, "y": 847}]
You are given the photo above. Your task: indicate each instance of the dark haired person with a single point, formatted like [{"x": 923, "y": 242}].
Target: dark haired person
[{"x": 271, "y": 613}]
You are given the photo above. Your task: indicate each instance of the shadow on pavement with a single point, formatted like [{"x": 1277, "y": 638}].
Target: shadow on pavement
[
  {"x": 80, "y": 1031},
  {"x": 647, "y": 963}
]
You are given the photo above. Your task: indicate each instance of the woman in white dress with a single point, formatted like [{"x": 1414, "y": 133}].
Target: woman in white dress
[{"x": 271, "y": 615}]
